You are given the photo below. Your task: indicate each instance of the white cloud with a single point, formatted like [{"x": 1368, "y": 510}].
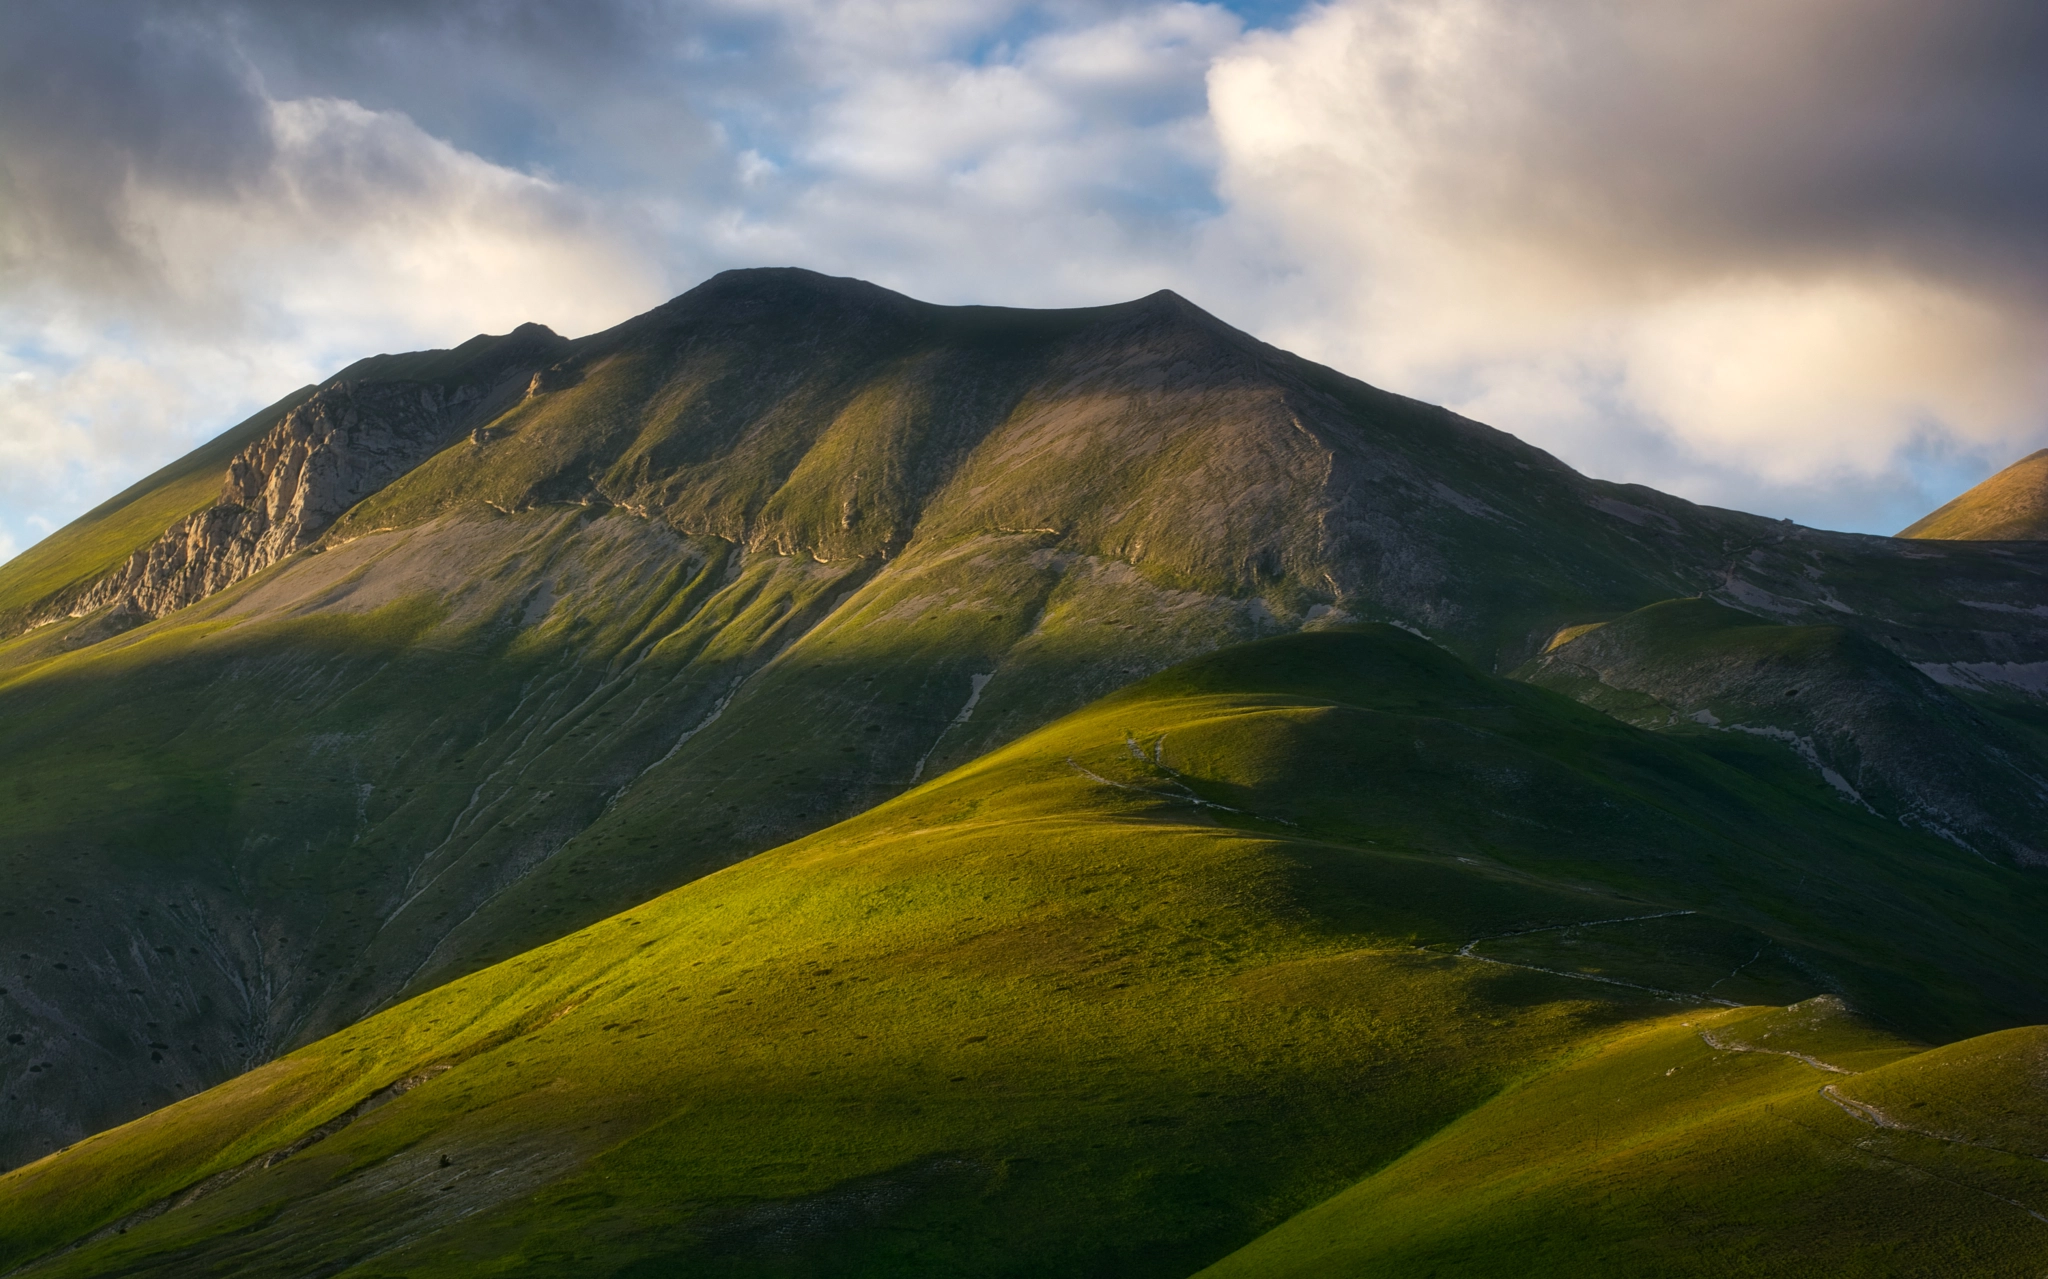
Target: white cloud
[
  {"x": 1782, "y": 254},
  {"x": 1053, "y": 169},
  {"x": 1455, "y": 213},
  {"x": 362, "y": 234},
  {"x": 366, "y": 227}
]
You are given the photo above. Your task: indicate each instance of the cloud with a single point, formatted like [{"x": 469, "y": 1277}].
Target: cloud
[
  {"x": 90, "y": 109},
  {"x": 1753, "y": 250},
  {"x": 1781, "y": 254},
  {"x": 181, "y": 249},
  {"x": 1063, "y": 167}
]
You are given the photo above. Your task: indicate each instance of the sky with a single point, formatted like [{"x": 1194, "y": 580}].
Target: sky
[{"x": 1780, "y": 255}]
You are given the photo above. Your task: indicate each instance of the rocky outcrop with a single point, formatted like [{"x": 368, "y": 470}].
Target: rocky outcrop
[
  {"x": 348, "y": 440},
  {"x": 1877, "y": 731}
]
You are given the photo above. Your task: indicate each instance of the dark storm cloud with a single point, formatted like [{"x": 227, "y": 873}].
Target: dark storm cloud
[
  {"x": 1753, "y": 134},
  {"x": 599, "y": 91},
  {"x": 94, "y": 98},
  {"x": 103, "y": 105},
  {"x": 1780, "y": 254}
]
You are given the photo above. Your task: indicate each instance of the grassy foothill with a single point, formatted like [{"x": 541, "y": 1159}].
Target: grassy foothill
[{"x": 1248, "y": 965}]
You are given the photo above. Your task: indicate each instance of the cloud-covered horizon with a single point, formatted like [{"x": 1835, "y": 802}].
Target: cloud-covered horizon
[{"x": 1784, "y": 255}]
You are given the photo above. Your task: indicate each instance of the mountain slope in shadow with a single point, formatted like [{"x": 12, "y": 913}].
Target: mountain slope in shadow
[{"x": 1127, "y": 994}]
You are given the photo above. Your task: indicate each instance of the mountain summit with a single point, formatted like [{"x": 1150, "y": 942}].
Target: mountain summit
[{"x": 2011, "y": 506}]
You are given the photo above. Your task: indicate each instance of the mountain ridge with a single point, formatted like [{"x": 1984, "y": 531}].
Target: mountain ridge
[
  {"x": 648, "y": 602},
  {"x": 756, "y": 523}
]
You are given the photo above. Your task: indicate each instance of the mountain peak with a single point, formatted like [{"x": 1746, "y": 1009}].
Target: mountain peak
[
  {"x": 789, "y": 284},
  {"x": 2011, "y": 506}
]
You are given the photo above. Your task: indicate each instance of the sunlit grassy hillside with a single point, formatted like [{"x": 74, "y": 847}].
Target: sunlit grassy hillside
[
  {"x": 1754, "y": 1142},
  {"x": 1119, "y": 999},
  {"x": 2010, "y": 506}
]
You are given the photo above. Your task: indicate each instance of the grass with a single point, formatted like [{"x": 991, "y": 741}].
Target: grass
[
  {"x": 2007, "y": 507},
  {"x": 1663, "y": 1153},
  {"x": 1063, "y": 1011}
]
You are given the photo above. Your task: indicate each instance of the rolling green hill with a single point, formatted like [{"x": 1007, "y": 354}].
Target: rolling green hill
[
  {"x": 1128, "y": 994},
  {"x": 1778, "y": 1142}
]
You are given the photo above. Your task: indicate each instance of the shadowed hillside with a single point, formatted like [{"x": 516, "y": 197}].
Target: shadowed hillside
[
  {"x": 1880, "y": 732},
  {"x": 1124, "y": 996}
]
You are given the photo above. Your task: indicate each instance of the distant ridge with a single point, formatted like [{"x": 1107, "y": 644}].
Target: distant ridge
[{"x": 2011, "y": 506}]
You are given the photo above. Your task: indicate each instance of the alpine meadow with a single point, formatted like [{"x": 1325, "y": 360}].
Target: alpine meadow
[{"x": 808, "y": 782}]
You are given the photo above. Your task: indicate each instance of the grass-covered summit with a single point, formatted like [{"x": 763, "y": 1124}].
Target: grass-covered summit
[
  {"x": 1328, "y": 915},
  {"x": 2011, "y": 506}
]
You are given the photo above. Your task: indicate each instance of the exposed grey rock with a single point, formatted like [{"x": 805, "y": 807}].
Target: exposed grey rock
[
  {"x": 1876, "y": 730},
  {"x": 350, "y": 439}
]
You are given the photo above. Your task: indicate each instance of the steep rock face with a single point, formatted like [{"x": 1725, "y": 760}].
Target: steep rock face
[
  {"x": 1881, "y": 733},
  {"x": 349, "y": 439},
  {"x": 2011, "y": 506},
  {"x": 45, "y": 581}
]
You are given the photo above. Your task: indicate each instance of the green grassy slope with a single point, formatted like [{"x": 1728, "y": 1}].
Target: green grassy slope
[
  {"x": 213, "y": 822},
  {"x": 96, "y": 542},
  {"x": 2011, "y": 506},
  {"x": 1115, "y": 999},
  {"x": 411, "y": 756},
  {"x": 1698, "y": 1145}
]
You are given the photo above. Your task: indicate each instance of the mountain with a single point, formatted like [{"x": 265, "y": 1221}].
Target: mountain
[
  {"x": 1123, "y": 996},
  {"x": 314, "y": 744},
  {"x": 2011, "y": 506}
]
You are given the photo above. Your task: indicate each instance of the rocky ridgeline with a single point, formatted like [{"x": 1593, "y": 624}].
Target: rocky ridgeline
[
  {"x": 349, "y": 439},
  {"x": 1878, "y": 731}
]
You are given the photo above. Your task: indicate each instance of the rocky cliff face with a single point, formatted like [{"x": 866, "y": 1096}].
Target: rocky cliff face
[{"x": 352, "y": 437}]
